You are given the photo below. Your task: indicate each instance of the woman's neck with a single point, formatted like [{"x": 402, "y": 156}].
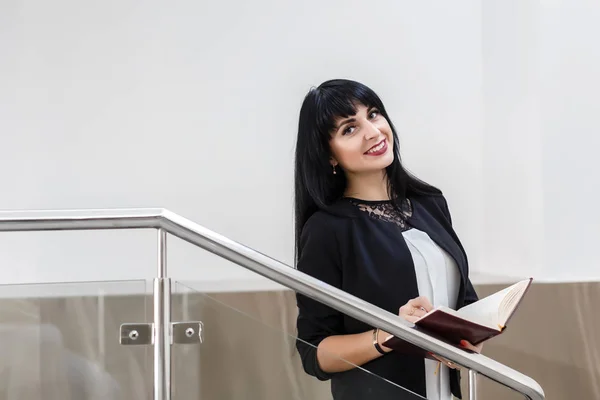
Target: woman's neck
[{"x": 368, "y": 187}]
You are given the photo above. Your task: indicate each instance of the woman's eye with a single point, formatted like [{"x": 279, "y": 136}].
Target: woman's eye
[
  {"x": 349, "y": 130},
  {"x": 374, "y": 114}
]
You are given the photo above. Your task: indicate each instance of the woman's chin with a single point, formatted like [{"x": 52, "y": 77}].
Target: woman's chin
[
  {"x": 381, "y": 163},
  {"x": 367, "y": 170}
]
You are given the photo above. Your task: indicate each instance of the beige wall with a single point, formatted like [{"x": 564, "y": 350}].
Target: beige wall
[{"x": 67, "y": 348}]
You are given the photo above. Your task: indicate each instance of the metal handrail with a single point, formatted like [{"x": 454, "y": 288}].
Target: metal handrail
[{"x": 246, "y": 257}]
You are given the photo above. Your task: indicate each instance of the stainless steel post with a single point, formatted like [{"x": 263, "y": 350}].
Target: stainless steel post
[
  {"x": 472, "y": 385},
  {"x": 162, "y": 324}
]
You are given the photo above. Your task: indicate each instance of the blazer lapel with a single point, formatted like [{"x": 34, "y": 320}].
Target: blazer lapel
[{"x": 441, "y": 233}]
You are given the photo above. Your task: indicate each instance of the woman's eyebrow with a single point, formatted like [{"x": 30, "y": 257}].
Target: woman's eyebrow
[{"x": 345, "y": 121}]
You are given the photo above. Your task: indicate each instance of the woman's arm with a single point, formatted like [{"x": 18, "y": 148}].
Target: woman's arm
[
  {"x": 343, "y": 352},
  {"x": 322, "y": 343},
  {"x": 360, "y": 348}
]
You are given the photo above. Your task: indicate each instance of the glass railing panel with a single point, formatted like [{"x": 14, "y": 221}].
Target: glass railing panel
[
  {"x": 61, "y": 341},
  {"x": 489, "y": 389},
  {"x": 249, "y": 349}
]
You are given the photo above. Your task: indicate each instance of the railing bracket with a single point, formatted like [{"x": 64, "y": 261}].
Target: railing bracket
[{"x": 181, "y": 333}]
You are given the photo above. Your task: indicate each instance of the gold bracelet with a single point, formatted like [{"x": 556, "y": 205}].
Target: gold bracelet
[{"x": 376, "y": 342}]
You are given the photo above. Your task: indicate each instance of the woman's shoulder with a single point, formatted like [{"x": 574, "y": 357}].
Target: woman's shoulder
[
  {"x": 433, "y": 202},
  {"x": 326, "y": 220},
  {"x": 329, "y": 222},
  {"x": 432, "y": 197}
]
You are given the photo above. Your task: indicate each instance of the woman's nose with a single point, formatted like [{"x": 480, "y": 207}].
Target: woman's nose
[{"x": 371, "y": 131}]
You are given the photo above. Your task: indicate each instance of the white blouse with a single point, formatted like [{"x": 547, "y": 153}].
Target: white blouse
[{"x": 438, "y": 279}]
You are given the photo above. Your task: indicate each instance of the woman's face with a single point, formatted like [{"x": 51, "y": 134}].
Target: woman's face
[{"x": 362, "y": 143}]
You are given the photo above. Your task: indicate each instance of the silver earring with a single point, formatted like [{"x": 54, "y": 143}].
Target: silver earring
[{"x": 334, "y": 171}]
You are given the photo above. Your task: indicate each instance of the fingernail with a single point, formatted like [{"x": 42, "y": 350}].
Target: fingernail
[{"x": 463, "y": 343}]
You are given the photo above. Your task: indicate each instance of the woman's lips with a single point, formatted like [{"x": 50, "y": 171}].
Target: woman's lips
[{"x": 377, "y": 150}]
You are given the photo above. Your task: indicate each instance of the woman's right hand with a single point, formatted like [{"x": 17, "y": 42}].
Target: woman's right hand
[
  {"x": 415, "y": 309},
  {"x": 411, "y": 311}
]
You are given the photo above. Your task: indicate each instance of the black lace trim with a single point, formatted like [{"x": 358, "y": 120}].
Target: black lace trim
[{"x": 385, "y": 211}]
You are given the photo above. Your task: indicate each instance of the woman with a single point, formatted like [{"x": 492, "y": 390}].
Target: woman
[{"x": 366, "y": 226}]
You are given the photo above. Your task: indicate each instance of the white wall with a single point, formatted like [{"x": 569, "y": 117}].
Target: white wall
[
  {"x": 569, "y": 68},
  {"x": 193, "y": 107},
  {"x": 541, "y": 139},
  {"x": 512, "y": 142}
]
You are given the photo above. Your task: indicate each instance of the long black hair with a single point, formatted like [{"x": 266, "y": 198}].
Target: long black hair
[{"x": 316, "y": 186}]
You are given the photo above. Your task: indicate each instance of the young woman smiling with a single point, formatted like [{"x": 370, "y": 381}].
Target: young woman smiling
[{"x": 368, "y": 227}]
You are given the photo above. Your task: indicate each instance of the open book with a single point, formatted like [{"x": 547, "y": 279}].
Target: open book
[{"x": 476, "y": 322}]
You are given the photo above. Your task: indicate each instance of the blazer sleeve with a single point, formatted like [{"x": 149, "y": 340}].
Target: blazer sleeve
[
  {"x": 470, "y": 294},
  {"x": 318, "y": 257}
]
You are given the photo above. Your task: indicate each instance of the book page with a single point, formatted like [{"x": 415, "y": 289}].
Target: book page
[
  {"x": 512, "y": 300},
  {"x": 488, "y": 311},
  {"x": 485, "y": 311}
]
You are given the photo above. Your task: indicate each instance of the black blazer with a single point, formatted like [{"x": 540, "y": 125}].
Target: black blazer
[{"x": 369, "y": 258}]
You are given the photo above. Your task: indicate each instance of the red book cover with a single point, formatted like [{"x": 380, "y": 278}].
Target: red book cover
[
  {"x": 446, "y": 327},
  {"x": 453, "y": 329}
]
